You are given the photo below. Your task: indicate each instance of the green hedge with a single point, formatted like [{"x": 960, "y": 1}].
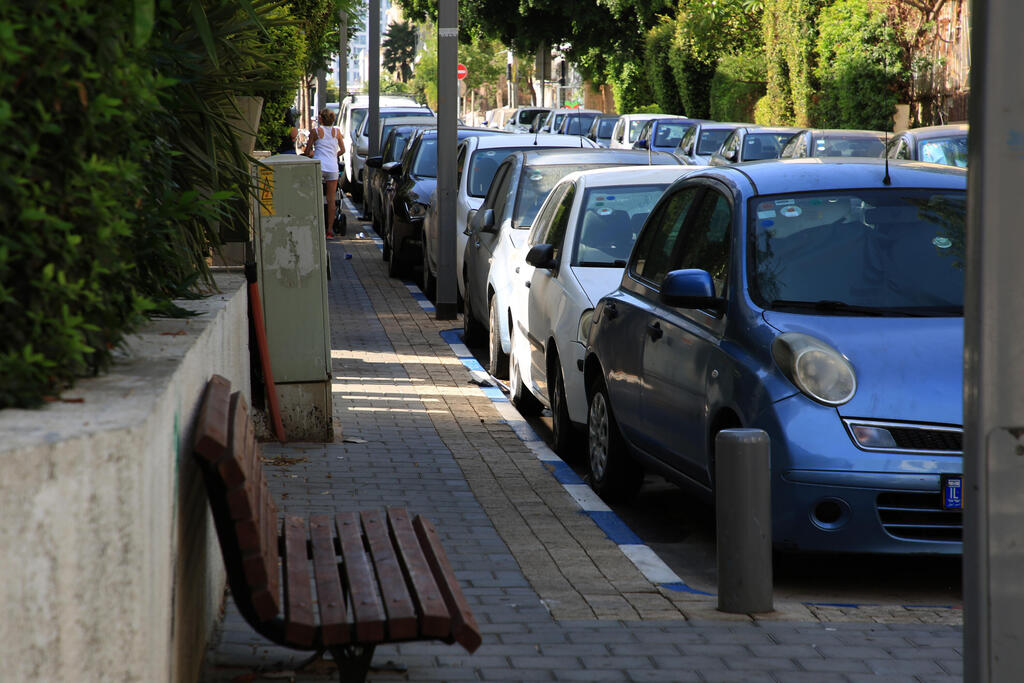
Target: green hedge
[
  {"x": 737, "y": 86},
  {"x": 660, "y": 75}
]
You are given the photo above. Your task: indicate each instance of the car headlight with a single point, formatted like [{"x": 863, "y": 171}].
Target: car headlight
[
  {"x": 818, "y": 370},
  {"x": 416, "y": 210},
  {"x": 583, "y": 332}
]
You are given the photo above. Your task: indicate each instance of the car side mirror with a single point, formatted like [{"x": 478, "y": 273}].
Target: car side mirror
[
  {"x": 375, "y": 162},
  {"x": 690, "y": 288},
  {"x": 542, "y": 256},
  {"x": 729, "y": 154},
  {"x": 394, "y": 169},
  {"x": 483, "y": 220},
  {"x": 641, "y": 144}
]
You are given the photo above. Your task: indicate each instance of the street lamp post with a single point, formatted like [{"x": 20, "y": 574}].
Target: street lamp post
[{"x": 447, "y": 103}]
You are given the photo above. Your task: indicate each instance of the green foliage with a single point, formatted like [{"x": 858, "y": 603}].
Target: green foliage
[
  {"x": 630, "y": 88},
  {"x": 860, "y": 67},
  {"x": 789, "y": 35},
  {"x": 399, "y": 50},
  {"x": 737, "y": 86},
  {"x": 287, "y": 47},
  {"x": 659, "y": 68},
  {"x": 424, "y": 78}
]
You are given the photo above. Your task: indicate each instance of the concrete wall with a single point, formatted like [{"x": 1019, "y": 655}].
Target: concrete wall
[{"x": 110, "y": 565}]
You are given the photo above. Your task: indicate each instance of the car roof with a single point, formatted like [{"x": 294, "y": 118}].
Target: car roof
[
  {"x": 631, "y": 175},
  {"x": 848, "y": 132},
  {"x": 770, "y": 129},
  {"x": 526, "y": 140},
  {"x": 644, "y": 117},
  {"x": 788, "y": 176},
  {"x": 465, "y": 131},
  {"x": 937, "y": 131},
  {"x": 554, "y": 157},
  {"x": 713, "y": 125}
]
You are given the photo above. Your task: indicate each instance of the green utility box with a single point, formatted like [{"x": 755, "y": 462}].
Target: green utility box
[{"x": 291, "y": 257}]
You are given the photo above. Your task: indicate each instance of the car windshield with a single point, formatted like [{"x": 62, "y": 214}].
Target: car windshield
[
  {"x": 482, "y": 166},
  {"x": 578, "y": 124},
  {"x": 398, "y": 143},
  {"x": 875, "y": 252},
  {"x": 557, "y": 122},
  {"x": 610, "y": 219},
  {"x": 425, "y": 164},
  {"x": 670, "y": 134},
  {"x": 534, "y": 186},
  {"x": 838, "y": 145},
  {"x": 357, "y": 118},
  {"x": 605, "y": 128},
  {"x": 710, "y": 140},
  {"x": 634, "y": 128},
  {"x": 764, "y": 145},
  {"x": 527, "y": 115},
  {"x": 951, "y": 151}
]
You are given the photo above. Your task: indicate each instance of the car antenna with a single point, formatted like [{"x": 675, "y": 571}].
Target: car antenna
[
  {"x": 886, "y": 180},
  {"x": 650, "y": 162},
  {"x": 579, "y": 127},
  {"x": 536, "y": 131}
]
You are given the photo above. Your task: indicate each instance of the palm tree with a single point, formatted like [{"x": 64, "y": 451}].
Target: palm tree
[{"x": 400, "y": 50}]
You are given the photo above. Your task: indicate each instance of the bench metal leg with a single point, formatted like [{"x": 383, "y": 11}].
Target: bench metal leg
[{"x": 353, "y": 662}]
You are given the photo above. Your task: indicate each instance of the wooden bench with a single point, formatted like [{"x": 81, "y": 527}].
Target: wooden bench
[{"x": 343, "y": 583}]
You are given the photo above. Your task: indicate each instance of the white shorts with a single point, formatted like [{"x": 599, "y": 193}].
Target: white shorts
[{"x": 329, "y": 175}]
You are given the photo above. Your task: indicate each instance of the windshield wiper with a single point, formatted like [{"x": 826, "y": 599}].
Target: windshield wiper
[{"x": 829, "y": 306}]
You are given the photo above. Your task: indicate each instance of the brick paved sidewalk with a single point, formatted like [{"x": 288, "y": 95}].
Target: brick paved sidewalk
[{"x": 556, "y": 599}]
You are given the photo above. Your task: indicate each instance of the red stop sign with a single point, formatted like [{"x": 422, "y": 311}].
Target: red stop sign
[{"x": 461, "y": 71}]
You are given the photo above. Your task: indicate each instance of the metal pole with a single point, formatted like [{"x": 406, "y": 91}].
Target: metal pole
[
  {"x": 373, "y": 58},
  {"x": 447, "y": 140},
  {"x": 993, "y": 364},
  {"x": 342, "y": 55},
  {"x": 743, "y": 511}
]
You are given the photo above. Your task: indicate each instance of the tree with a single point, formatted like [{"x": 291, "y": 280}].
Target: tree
[{"x": 399, "y": 49}]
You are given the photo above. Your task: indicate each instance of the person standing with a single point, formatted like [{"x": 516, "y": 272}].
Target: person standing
[
  {"x": 325, "y": 144},
  {"x": 287, "y": 143}
]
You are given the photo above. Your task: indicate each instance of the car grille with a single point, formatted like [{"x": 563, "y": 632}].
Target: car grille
[
  {"x": 918, "y": 515},
  {"x": 924, "y": 439}
]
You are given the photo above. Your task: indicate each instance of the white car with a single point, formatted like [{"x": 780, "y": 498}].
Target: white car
[
  {"x": 477, "y": 159},
  {"x": 628, "y": 128},
  {"x": 574, "y": 255},
  {"x": 523, "y": 118},
  {"x": 553, "y": 121},
  {"x": 354, "y": 109},
  {"x": 498, "y": 229}
]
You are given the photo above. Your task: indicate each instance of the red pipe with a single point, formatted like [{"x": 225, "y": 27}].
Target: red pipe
[{"x": 256, "y": 311}]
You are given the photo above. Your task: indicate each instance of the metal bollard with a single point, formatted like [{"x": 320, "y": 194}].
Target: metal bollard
[{"x": 743, "y": 513}]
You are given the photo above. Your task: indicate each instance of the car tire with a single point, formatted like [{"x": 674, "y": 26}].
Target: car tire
[
  {"x": 385, "y": 251},
  {"x": 613, "y": 474},
  {"x": 521, "y": 397},
  {"x": 563, "y": 431},
  {"x": 396, "y": 268},
  {"x": 497, "y": 360},
  {"x": 429, "y": 281},
  {"x": 472, "y": 331}
]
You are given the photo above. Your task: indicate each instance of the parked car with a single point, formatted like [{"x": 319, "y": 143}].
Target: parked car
[
  {"x": 355, "y": 108},
  {"x": 627, "y": 129},
  {"x": 372, "y": 180},
  {"x": 752, "y": 143},
  {"x": 415, "y": 178},
  {"x": 523, "y": 118},
  {"x": 553, "y": 120},
  {"x": 601, "y": 129},
  {"x": 704, "y": 139},
  {"x": 477, "y": 160},
  {"x": 376, "y": 174},
  {"x": 575, "y": 253},
  {"x": 499, "y": 228},
  {"x": 663, "y": 135},
  {"x": 577, "y": 122},
  {"x": 811, "y": 300},
  {"x": 945, "y": 145},
  {"x": 357, "y": 155},
  {"x": 834, "y": 143}
]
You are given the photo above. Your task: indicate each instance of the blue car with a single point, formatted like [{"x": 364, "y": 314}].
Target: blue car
[{"x": 820, "y": 300}]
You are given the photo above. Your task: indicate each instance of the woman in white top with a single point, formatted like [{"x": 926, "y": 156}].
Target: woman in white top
[{"x": 326, "y": 145}]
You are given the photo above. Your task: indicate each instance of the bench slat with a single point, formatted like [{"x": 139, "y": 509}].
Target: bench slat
[
  {"x": 464, "y": 629},
  {"x": 299, "y": 626},
  {"x": 211, "y": 440},
  {"x": 367, "y": 610},
  {"x": 397, "y": 601},
  {"x": 270, "y": 546},
  {"x": 435, "y": 619},
  {"x": 334, "y": 624}
]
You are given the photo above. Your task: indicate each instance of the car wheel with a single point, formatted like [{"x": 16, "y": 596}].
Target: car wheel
[
  {"x": 396, "y": 268},
  {"x": 613, "y": 475},
  {"x": 521, "y": 397},
  {"x": 429, "y": 281},
  {"x": 563, "y": 431},
  {"x": 497, "y": 360},
  {"x": 385, "y": 252},
  {"x": 472, "y": 333}
]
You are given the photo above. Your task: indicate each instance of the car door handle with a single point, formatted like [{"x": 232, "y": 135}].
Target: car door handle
[
  {"x": 654, "y": 329},
  {"x": 611, "y": 311}
]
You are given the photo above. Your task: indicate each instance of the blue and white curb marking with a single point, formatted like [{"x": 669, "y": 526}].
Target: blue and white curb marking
[{"x": 632, "y": 546}]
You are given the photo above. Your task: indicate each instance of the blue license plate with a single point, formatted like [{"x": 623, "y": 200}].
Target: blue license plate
[{"x": 952, "y": 492}]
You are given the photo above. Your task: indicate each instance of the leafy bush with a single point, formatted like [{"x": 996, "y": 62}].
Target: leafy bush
[
  {"x": 789, "y": 35},
  {"x": 659, "y": 68},
  {"x": 737, "y": 86},
  {"x": 860, "y": 67},
  {"x": 630, "y": 87}
]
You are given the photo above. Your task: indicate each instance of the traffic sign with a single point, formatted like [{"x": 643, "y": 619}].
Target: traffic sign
[{"x": 461, "y": 71}]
